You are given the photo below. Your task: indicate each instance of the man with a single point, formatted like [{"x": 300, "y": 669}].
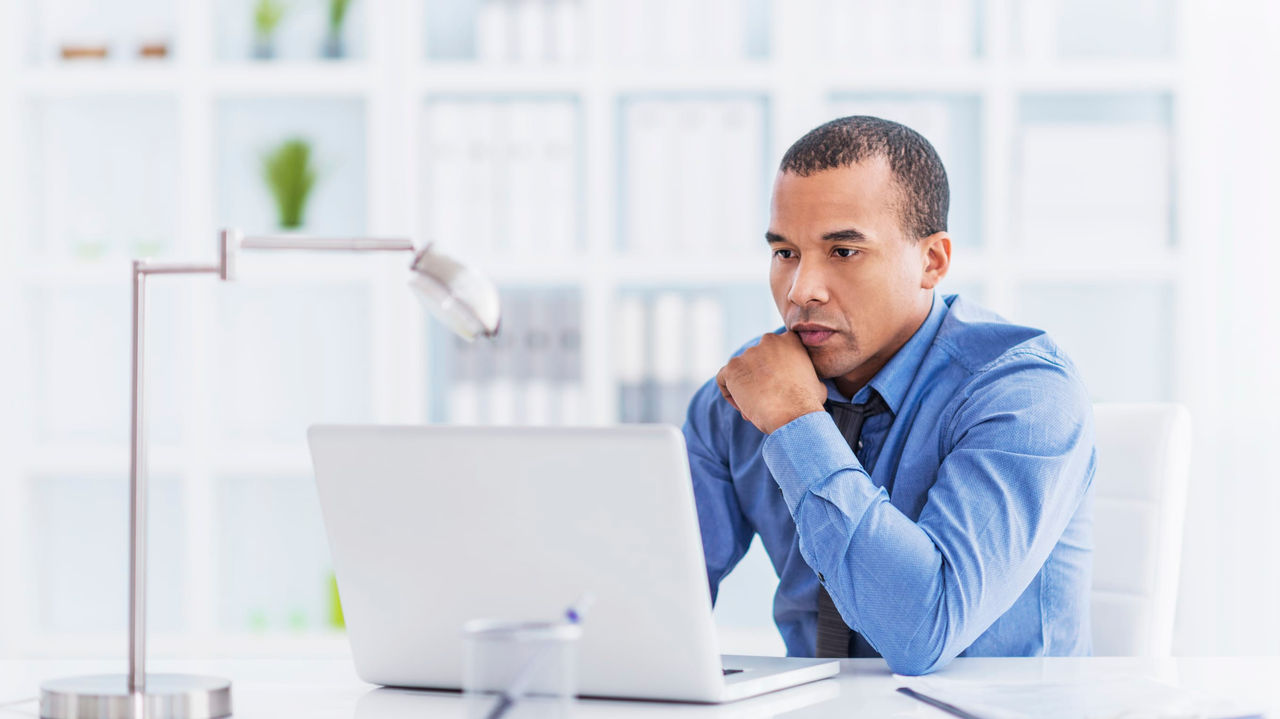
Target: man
[{"x": 948, "y": 511}]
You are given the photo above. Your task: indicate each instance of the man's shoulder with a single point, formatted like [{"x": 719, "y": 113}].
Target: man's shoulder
[
  {"x": 980, "y": 340},
  {"x": 1009, "y": 369}
]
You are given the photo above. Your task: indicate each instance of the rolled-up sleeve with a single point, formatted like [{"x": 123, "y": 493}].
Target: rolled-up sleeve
[{"x": 1017, "y": 460}]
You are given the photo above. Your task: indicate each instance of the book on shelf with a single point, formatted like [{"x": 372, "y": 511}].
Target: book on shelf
[
  {"x": 502, "y": 175},
  {"x": 676, "y": 31},
  {"x": 916, "y": 31},
  {"x": 674, "y": 150},
  {"x": 529, "y": 31},
  {"x": 666, "y": 346},
  {"x": 530, "y": 374}
]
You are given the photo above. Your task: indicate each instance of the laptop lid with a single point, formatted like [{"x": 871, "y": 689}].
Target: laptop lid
[{"x": 431, "y": 526}]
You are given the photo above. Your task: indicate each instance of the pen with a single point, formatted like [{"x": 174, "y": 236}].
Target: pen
[
  {"x": 938, "y": 704},
  {"x": 573, "y": 615}
]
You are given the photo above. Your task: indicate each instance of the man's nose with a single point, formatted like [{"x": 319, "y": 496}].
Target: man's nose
[{"x": 808, "y": 284}]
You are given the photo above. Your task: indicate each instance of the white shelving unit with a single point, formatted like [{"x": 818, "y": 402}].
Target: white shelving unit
[{"x": 375, "y": 108}]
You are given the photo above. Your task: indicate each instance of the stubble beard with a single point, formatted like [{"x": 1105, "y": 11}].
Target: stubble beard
[{"x": 832, "y": 362}]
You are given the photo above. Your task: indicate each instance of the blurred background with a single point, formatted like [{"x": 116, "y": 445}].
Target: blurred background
[{"x": 608, "y": 162}]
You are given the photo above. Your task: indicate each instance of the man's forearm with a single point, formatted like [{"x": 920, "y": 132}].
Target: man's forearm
[{"x": 919, "y": 591}]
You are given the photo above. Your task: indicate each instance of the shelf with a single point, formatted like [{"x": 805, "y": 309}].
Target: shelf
[
  {"x": 92, "y": 78},
  {"x": 250, "y": 365},
  {"x": 300, "y": 36},
  {"x": 281, "y": 78},
  {"x": 1086, "y": 267},
  {"x": 354, "y": 77},
  {"x": 464, "y": 78},
  {"x": 1097, "y": 77}
]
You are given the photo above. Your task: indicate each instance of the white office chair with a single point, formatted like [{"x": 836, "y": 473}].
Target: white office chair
[{"x": 1140, "y": 500}]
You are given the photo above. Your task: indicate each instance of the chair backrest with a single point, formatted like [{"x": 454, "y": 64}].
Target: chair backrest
[{"x": 1140, "y": 493}]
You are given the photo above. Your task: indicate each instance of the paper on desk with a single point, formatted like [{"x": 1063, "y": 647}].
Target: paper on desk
[{"x": 1118, "y": 698}]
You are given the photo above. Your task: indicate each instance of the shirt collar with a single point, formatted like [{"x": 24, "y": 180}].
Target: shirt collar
[{"x": 895, "y": 377}]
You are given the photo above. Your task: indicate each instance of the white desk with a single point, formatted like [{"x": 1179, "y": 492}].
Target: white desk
[{"x": 329, "y": 689}]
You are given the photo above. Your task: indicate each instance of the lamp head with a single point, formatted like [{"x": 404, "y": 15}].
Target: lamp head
[{"x": 463, "y": 300}]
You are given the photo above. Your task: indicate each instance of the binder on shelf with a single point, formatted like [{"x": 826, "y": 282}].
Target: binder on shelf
[
  {"x": 527, "y": 31},
  {"x": 557, "y": 171},
  {"x": 675, "y": 31},
  {"x": 566, "y": 364},
  {"x": 501, "y": 389},
  {"x": 630, "y": 31},
  {"x": 707, "y": 345},
  {"x": 532, "y": 30},
  {"x": 891, "y": 31},
  {"x": 737, "y": 153},
  {"x": 445, "y": 157},
  {"x": 666, "y": 209},
  {"x": 646, "y": 185},
  {"x": 630, "y": 345},
  {"x": 670, "y": 342},
  {"x": 538, "y": 383},
  {"x": 517, "y": 183},
  {"x": 504, "y": 175},
  {"x": 476, "y": 176},
  {"x": 494, "y": 32},
  {"x": 566, "y": 31},
  {"x": 693, "y": 216}
]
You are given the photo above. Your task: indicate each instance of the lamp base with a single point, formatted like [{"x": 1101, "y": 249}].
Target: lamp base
[{"x": 106, "y": 696}]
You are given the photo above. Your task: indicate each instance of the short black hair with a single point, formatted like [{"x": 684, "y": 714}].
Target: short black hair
[{"x": 922, "y": 181}]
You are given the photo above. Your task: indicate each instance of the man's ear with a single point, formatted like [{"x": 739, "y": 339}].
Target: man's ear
[{"x": 935, "y": 254}]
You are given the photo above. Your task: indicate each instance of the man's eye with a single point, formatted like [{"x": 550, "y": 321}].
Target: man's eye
[
  {"x": 782, "y": 254},
  {"x": 845, "y": 251}
]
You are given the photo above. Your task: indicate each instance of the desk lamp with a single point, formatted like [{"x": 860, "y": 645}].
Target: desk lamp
[{"x": 464, "y": 301}]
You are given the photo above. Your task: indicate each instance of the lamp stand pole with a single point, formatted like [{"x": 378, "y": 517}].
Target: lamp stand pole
[{"x": 138, "y": 695}]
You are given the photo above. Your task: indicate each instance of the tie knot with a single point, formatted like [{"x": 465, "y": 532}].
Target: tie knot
[
  {"x": 875, "y": 405},
  {"x": 849, "y": 417}
]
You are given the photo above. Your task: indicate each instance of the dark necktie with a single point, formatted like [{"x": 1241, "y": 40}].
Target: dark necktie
[{"x": 835, "y": 638}]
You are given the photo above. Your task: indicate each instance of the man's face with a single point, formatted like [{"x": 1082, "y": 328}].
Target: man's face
[{"x": 844, "y": 275}]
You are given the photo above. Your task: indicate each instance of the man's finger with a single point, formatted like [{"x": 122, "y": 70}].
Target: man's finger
[{"x": 724, "y": 388}]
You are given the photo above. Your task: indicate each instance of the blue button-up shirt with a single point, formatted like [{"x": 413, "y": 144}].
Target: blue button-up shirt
[{"x": 984, "y": 546}]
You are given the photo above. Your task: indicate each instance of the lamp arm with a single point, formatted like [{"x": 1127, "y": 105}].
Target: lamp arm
[
  {"x": 289, "y": 242},
  {"x": 229, "y": 244},
  {"x": 138, "y": 493}
]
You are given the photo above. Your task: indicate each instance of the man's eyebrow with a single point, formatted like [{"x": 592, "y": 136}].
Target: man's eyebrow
[{"x": 847, "y": 235}]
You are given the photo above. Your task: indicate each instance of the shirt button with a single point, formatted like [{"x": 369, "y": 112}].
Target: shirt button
[
  {"x": 859, "y": 444},
  {"x": 822, "y": 578}
]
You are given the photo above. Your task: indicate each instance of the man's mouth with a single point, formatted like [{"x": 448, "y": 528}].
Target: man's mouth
[{"x": 812, "y": 336}]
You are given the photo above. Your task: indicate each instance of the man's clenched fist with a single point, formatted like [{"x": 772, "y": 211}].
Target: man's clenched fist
[{"x": 773, "y": 382}]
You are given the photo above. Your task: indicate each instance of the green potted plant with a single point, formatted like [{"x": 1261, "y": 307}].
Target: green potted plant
[
  {"x": 267, "y": 15},
  {"x": 333, "y": 45},
  {"x": 290, "y": 176}
]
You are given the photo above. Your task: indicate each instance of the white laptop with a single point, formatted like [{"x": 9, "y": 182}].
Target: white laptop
[{"x": 432, "y": 526}]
